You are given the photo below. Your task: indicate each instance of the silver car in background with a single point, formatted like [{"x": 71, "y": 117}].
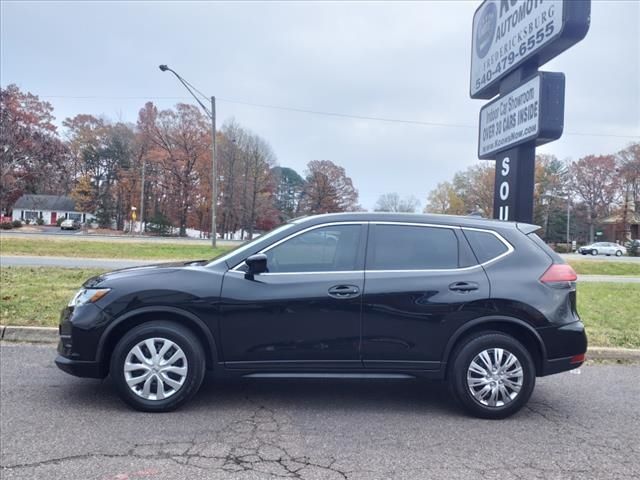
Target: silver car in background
[{"x": 603, "y": 248}]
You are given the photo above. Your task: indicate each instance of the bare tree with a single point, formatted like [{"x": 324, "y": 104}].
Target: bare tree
[
  {"x": 391, "y": 202},
  {"x": 596, "y": 182}
]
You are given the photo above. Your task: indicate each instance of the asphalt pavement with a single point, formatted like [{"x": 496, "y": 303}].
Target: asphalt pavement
[
  {"x": 600, "y": 258},
  {"x": 111, "y": 264},
  {"x": 54, "y": 233},
  {"x": 56, "y": 426},
  {"x": 72, "y": 262}
]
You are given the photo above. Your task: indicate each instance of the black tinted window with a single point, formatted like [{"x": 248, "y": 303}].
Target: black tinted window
[
  {"x": 325, "y": 249},
  {"x": 485, "y": 245},
  {"x": 403, "y": 247}
]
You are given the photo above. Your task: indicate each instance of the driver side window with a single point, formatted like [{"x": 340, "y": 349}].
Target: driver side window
[{"x": 324, "y": 249}]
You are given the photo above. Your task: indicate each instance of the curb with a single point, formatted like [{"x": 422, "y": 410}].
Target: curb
[
  {"x": 607, "y": 353},
  {"x": 50, "y": 335},
  {"x": 29, "y": 334}
]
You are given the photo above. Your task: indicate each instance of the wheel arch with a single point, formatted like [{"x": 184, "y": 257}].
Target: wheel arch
[
  {"x": 118, "y": 328},
  {"x": 519, "y": 329}
]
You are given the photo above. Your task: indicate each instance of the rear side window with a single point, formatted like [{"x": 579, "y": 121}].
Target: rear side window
[
  {"x": 485, "y": 245},
  {"x": 404, "y": 247}
]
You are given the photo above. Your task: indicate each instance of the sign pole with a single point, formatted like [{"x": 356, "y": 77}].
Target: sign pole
[{"x": 515, "y": 166}]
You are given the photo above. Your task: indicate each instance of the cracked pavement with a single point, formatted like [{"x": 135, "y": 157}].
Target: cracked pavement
[{"x": 53, "y": 425}]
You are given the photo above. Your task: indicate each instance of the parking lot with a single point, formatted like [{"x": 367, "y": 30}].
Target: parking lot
[{"x": 56, "y": 426}]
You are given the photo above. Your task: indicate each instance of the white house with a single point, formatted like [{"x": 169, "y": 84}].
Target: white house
[{"x": 28, "y": 208}]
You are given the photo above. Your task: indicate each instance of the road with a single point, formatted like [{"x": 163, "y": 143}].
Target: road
[
  {"x": 600, "y": 258},
  {"x": 24, "y": 261},
  {"x": 53, "y": 425},
  {"x": 54, "y": 233},
  {"x": 37, "y": 261}
]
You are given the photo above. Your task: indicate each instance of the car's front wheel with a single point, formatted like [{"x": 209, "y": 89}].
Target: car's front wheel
[
  {"x": 618, "y": 253},
  {"x": 594, "y": 252},
  {"x": 157, "y": 366},
  {"x": 492, "y": 375}
]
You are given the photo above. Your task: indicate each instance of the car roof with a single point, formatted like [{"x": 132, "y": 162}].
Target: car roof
[{"x": 471, "y": 221}]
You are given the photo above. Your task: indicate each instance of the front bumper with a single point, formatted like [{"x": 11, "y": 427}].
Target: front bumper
[
  {"x": 80, "y": 331},
  {"x": 79, "y": 368}
]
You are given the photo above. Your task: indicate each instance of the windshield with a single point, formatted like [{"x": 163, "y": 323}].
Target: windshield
[{"x": 247, "y": 246}]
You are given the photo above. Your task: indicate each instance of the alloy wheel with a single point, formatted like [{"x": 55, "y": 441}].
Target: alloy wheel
[{"x": 495, "y": 377}]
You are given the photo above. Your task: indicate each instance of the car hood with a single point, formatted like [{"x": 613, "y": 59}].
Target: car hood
[{"x": 104, "y": 279}]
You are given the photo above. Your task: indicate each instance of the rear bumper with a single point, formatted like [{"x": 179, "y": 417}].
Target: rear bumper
[
  {"x": 563, "y": 345},
  {"x": 558, "y": 365}
]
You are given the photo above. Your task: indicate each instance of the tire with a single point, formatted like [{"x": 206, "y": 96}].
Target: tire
[
  {"x": 618, "y": 253},
  {"x": 594, "y": 252},
  {"x": 459, "y": 372},
  {"x": 181, "y": 344}
]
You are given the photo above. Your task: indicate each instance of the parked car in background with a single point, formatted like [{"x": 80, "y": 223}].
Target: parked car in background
[
  {"x": 69, "y": 224},
  {"x": 603, "y": 248},
  {"x": 483, "y": 304}
]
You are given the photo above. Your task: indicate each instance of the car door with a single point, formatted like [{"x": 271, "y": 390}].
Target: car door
[
  {"x": 305, "y": 311},
  {"x": 422, "y": 282}
]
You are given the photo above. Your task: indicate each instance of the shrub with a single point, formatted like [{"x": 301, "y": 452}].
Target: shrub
[
  {"x": 158, "y": 225},
  {"x": 16, "y": 224},
  {"x": 60, "y": 220},
  {"x": 562, "y": 248},
  {"x": 634, "y": 249},
  {"x": 40, "y": 221},
  {"x": 6, "y": 226}
]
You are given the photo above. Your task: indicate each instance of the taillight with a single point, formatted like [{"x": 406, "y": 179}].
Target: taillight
[{"x": 559, "y": 272}]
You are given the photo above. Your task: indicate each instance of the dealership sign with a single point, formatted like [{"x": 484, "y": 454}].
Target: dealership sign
[
  {"x": 532, "y": 112},
  {"x": 509, "y": 33},
  {"x": 510, "y": 40}
]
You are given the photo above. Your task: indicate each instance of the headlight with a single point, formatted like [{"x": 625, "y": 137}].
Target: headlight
[{"x": 88, "y": 295}]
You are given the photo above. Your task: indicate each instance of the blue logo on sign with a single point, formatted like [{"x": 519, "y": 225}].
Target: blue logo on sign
[{"x": 486, "y": 29}]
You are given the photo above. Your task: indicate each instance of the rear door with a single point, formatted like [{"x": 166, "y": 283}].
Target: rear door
[{"x": 421, "y": 283}]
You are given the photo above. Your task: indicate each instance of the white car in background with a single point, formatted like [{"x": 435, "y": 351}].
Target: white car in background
[
  {"x": 70, "y": 224},
  {"x": 603, "y": 248}
]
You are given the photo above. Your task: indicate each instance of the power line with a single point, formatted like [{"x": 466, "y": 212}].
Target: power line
[{"x": 314, "y": 112}]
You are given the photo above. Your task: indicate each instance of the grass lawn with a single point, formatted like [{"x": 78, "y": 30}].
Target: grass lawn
[
  {"x": 594, "y": 267},
  {"x": 35, "y": 296},
  {"x": 115, "y": 249},
  {"x": 611, "y": 313}
]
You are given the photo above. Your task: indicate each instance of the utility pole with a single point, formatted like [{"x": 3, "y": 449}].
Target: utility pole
[
  {"x": 214, "y": 175},
  {"x": 142, "y": 200},
  {"x": 568, "y": 224}
]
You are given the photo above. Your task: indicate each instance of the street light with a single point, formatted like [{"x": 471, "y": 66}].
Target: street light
[{"x": 212, "y": 115}]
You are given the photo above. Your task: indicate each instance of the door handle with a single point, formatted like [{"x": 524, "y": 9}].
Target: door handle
[
  {"x": 344, "y": 291},
  {"x": 463, "y": 287}
]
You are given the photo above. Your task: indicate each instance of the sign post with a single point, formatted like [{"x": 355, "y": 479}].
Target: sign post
[{"x": 510, "y": 40}]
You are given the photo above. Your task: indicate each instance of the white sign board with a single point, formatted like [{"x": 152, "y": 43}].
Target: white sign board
[
  {"x": 505, "y": 34},
  {"x": 512, "y": 119}
]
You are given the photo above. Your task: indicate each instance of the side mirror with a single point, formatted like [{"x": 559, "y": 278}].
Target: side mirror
[{"x": 257, "y": 264}]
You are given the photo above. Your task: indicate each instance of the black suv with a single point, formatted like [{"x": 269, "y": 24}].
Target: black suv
[{"x": 484, "y": 304}]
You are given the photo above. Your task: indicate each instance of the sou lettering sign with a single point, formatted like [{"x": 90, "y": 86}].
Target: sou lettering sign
[
  {"x": 534, "y": 111},
  {"x": 509, "y": 33}
]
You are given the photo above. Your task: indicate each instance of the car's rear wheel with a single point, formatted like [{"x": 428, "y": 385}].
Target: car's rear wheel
[
  {"x": 157, "y": 366},
  {"x": 594, "y": 252},
  {"x": 618, "y": 253},
  {"x": 492, "y": 375}
]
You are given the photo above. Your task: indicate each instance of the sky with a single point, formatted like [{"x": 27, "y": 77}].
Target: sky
[{"x": 393, "y": 60}]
